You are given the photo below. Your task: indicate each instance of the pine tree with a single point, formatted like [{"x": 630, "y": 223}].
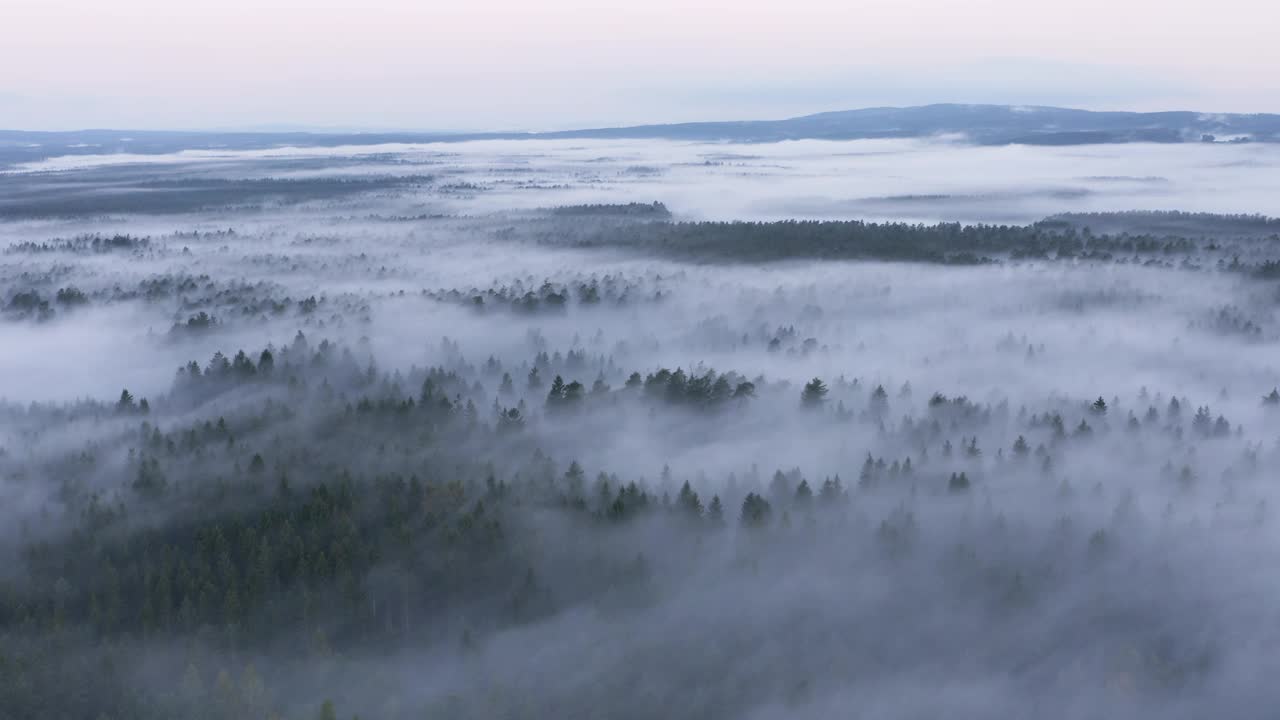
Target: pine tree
[
  {"x": 878, "y": 406},
  {"x": 574, "y": 478},
  {"x": 1020, "y": 447},
  {"x": 556, "y": 396},
  {"x": 814, "y": 393},
  {"x": 689, "y": 502},
  {"x": 755, "y": 511},
  {"x": 804, "y": 495},
  {"x": 831, "y": 491},
  {"x": 715, "y": 511}
]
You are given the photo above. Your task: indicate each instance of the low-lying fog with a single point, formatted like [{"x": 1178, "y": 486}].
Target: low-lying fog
[
  {"x": 471, "y": 464},
  {"x": 943, "y": 179}
]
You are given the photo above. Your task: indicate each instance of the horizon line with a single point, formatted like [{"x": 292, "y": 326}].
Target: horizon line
[{"x": 284, "y": 128}]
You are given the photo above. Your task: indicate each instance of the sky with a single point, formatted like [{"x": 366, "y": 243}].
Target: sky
[{"x": 557, "y": 64}]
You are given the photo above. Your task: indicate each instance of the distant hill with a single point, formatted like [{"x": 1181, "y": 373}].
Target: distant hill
[
  {"x": 980, "y": 124},
  {"x": 984, "y": 124}
]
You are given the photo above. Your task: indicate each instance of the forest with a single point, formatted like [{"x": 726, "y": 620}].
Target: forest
[{"x": 475, "y": 433}]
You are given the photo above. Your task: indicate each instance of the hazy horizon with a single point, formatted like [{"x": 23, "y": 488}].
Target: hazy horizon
[
  {"x": 285, "y": 127},
  {"x": 498, "y": 65}
]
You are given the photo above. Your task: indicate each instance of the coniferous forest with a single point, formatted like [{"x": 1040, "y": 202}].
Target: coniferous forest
[{"x": 429, "y": 434}]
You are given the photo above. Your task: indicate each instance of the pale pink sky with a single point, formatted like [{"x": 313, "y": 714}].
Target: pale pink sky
[{"x": 499, "y": 64}]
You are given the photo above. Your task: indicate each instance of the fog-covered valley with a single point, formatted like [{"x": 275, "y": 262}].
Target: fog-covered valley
[
  {"x": 617, "y": 428},
  {"x": 935, "y": 179}
]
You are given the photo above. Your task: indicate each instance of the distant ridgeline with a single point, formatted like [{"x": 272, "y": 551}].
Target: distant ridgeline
[{"x": 980, "y": 124}]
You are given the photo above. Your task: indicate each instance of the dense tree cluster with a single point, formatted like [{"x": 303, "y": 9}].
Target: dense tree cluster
[
  {"x": 857, "y": 240},
  {"x": 548, "y": 296},
  {"x": 84, "y": 244},
  {"x": 654, "y": 210},
  {"x": 341, "y": 515}
]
